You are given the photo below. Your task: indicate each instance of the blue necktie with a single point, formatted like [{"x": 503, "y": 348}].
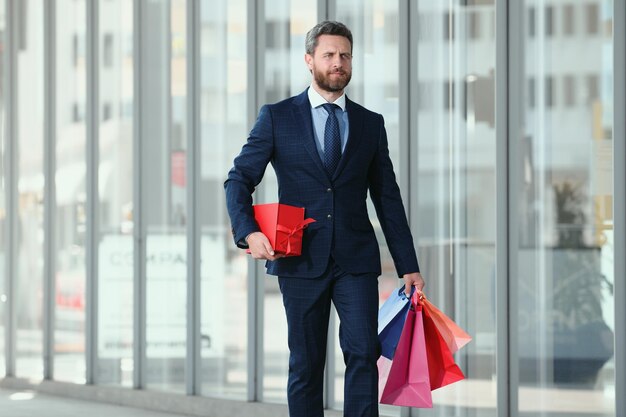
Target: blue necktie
[{"x": 332, "y": 140}]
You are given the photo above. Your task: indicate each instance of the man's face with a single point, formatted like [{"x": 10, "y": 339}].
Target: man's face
[{"x": 331, "y": 63}]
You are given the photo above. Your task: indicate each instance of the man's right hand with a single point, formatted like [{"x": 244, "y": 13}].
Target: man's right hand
[{"x": 260, "y": 247}]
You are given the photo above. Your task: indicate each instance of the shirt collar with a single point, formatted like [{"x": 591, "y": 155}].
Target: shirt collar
[{"x": 317, "y": 100}]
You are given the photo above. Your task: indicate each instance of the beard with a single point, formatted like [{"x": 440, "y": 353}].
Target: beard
[{"x": 326, "y": 83}]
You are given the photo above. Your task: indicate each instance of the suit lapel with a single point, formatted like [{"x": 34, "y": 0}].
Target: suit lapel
[
  {"x": 302, "y": 111},
  {"x": 355, "y": 121}
]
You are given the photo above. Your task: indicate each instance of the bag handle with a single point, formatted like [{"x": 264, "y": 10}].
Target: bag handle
[
  {"x": 417, "y": 297},
  {"x": 414, "y": 298}
]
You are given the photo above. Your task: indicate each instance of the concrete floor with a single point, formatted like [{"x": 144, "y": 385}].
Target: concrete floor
[{"x": 35, "y": 404}]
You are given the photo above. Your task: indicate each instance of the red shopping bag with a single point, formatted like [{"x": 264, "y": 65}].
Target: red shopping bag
[
  {"x": 404, "y": 381},
  {"x": 454, "y": 336},
  {"x": 441, "y": 367}
]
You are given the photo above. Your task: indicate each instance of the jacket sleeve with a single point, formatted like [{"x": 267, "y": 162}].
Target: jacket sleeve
[
  {"x": 387, "y": 200},
  {"x": 247, "y": 171}
]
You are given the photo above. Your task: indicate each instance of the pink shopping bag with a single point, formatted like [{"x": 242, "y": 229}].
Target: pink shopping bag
[{"x": 404, "y": 381}]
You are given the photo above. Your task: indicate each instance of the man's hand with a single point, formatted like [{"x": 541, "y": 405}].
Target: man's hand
[
  {"x": 260, "y": 247},
  {"x": 416, "y": 279}
]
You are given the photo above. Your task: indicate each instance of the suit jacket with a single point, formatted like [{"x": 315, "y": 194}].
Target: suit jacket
[{"x": 283, "y": 135}]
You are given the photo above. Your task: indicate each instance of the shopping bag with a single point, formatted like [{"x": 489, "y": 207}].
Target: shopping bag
[
  {"x": 391, "y": 317},
  {"x": 406, "y": 383},
  {"x": 454, "y": 336},
  {"x": 384, "y": 366},
  {"x": 442, "y": 369}
]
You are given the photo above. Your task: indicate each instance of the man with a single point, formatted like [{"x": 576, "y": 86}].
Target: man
[{"x": 327, "y": 152}]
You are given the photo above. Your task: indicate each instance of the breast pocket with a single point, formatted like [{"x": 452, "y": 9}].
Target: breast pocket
[{"x": 290, "y": 151}]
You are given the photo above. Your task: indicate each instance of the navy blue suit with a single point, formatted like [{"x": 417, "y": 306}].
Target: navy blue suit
[{"x": 340, "y": 258}]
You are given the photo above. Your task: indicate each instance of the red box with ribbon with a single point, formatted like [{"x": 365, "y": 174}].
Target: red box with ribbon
[{"x": 283, "y": 225}]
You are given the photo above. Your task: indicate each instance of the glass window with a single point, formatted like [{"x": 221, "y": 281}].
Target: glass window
[
  {"x": 448, "y": 95},
  {"x": 28, "y": 300},
  {"x": 455, "y": 162},
  {"x": 78, "y": 46},
  {"x": 549, "y": 21},
  {"x": 164, "y": 192},
  {"x": 532, "y": 85},
  {"x": 448, "y": 26},
  {"x": 561, "y": 231},
  {"x": 424, "y": 93},
  {"x": 569, "y": 90},
  {"x": 569, "y": 19},
  {"x": 224, "y": 267},
  {"x": 474, "y": 25},
  {"x": 592, "y": 15},
  {"x": 549, "y": 90},
  {"x": 3, "y": 206},
  {"x": 532, "y": 21},
  {"x": 107, "y": 51},
  {"x": 593, "y": 88},
  {"x": 70, "y": 217},
  {"x": 115, "y": 196},
  {"x": 286, "y": 75}
]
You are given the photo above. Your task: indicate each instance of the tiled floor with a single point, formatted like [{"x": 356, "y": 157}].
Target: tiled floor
[{"x": 34, "y": 404}]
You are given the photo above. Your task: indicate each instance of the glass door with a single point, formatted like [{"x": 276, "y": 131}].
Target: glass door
[{"x": 561, "y": 238}]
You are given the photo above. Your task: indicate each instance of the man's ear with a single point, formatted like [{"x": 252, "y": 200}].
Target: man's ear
[{"x": 309, "y": 61}]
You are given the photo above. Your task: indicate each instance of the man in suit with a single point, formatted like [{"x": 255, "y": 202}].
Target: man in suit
[{"x": 327, "y": 152}]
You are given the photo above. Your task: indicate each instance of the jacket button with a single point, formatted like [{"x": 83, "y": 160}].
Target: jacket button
[
  {"x": 330, "y": 216},
  {"x": 329, "y": 190}
]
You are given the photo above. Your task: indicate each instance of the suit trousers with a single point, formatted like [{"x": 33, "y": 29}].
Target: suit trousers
[{"x": 307, "y": 306}]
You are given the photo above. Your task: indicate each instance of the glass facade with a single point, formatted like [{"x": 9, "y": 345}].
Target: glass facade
[
  {"x": 562, "y": 234},
  {"x": 69, "y": 225},
  {"x": 376, "y": 85},
  {"x": 223, "y": 267},
  {"x": 455, "y": 181},
  {"x": 29, "y": 278},
  {"x": 163, "y": 94},
  {"x": 115, "y": 222},
  {"x": 163, "y": 193},
  {"x": 285, "y": 75},
  {"x": 3, "y": 200}
]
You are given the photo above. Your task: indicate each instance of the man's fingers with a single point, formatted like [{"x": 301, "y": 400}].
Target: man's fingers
[
  {"x": 419, "y": 282},
  {"x": 260, "y": 247},
  {"x": 268, "y": 248},
  {"x": 264, "y": 250},
  {"x": 414, "y": 279},
  {"x": 260, "y": 252}
]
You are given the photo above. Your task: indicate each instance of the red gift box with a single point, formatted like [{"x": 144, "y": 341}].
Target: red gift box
[{"x": 283, "y": 225}]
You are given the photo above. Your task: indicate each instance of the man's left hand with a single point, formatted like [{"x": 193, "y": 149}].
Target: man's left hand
[{"x": 416, "y": 279}]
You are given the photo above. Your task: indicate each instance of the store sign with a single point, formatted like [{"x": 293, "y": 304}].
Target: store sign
[{"x": 166, "y": 296}]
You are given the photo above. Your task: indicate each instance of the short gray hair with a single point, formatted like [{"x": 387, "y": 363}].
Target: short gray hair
[{"x": 326, "y": 28}]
